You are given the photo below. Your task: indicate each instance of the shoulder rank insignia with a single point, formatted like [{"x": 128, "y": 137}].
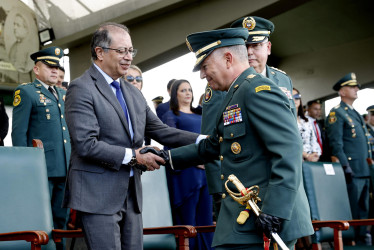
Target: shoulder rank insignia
[
  {"x": 251, "y": 76},
  {"x": 337, "y": 106},
  {"x": 279, "y": 70},
  {"x": 17, "y": 100},
  {"x": 262, "y": 87}
]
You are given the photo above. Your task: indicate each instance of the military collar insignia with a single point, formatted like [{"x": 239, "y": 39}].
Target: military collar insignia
[{"x": 251, "y": 76}]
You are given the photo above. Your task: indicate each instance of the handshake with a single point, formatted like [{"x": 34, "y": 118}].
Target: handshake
[{"x": 150, "y": 158}]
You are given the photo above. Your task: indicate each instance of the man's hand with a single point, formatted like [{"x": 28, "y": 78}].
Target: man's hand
[
  {"x": 150, "y": 160},
  {"x": 267, "y": 224},
  {"x": 163, "y": 154}
]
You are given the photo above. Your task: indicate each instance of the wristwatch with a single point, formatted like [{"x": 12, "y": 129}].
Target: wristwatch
[{"x": 133, "y": 160}]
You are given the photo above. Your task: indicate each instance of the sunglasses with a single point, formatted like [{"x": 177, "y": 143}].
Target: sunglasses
[
  {"x": 131, "y": 78},
  {"x": 297, "y": 96}
]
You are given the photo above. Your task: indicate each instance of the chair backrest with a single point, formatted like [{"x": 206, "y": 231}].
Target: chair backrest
[
  {"x": 24, "y": 194},
  {"x": 327, "y": 194},
  {"x": 156, "y": 209}
]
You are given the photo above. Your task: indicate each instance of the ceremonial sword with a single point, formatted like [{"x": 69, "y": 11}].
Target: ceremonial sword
[{"x": 249, "y": 196}]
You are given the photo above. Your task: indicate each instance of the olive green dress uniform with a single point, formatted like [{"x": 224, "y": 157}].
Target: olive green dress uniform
[
  {"x": 37, "y": 114},
  {"x": 261, "y": 147},
  {"x": 349, "y": 142}
]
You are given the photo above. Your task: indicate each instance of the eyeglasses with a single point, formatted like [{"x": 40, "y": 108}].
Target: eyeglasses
[
  {"x": 131, "y": 78},
  {"x": 297, "y": 96},
  {"x": 255, "y": 46},
  {"x": 124, "y": 51}
]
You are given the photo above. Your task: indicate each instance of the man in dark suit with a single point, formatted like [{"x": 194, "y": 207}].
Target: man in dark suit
[
  {"x": 4, "y": 122},
  {"x": 256, "y": 138},
  {"x": 108, "y": 119},
  {"x": 350, "y": 146},
  {"x": 38, "y": 113}
]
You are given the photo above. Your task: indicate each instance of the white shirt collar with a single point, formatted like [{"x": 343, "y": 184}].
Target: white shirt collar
[{"x": 108, "y": 79}]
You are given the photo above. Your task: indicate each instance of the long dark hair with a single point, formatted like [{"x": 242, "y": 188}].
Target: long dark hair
[
  {"x": 174, "y": 105},
  {"x": 300, "y": 110}
]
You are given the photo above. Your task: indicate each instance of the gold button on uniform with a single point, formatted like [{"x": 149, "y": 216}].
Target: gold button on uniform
[
  {"x": 62, "y": 116},
  {"x": 232, "y": 135},
  {"x": 221, "y": 157},
  {"x": 223, "y": 196},
  {"x": 222, "y": 177},
  {"x": 59, "y": 105},
  {"x": 65, "y": 141},
  {"x": 63, "y": 128},
  {"x": 349, "y": 158},
  {"x": 220, "y": 139}
]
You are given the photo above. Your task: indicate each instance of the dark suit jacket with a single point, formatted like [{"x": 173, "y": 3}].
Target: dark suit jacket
[
  {"x": 162, "y": 109},
  {"x": 97, "y": 181}
]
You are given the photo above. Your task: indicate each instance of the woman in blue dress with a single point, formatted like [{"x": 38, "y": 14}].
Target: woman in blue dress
[{"x": 189, "y": 197}]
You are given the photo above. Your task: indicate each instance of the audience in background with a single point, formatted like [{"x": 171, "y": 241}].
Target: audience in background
[
  {"x": 190, "y": 201},
  {"x": 311, "y": 148},
  {"x": 134, "y": 76},
  {"x": 164, "y": 107}
]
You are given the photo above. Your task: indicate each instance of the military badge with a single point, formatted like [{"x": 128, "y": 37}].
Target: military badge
[
  {"x": 249, "y": 23},
  {"x": 232, "y": 115},
  {"x": 17, "y": 100},
  {"x": 57, "y": 51},
  {"x": 17, "y": 92},
  {"x": 332, "y": 119},
  {"x": 48, "y": 116},
  {"x": 208, "y": 94},
  {"x": 251, "y": 76},
  {"x": 353, "y": 76},
  {"x": 262, "y": 87},
  {"x": 286, "y": 92},
  {"x": 236, "y": 148}
]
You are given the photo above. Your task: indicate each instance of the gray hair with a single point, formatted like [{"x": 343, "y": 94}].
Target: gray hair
[
  {"x": 240, "y": 51},
  {"x": 101, "y": 37}
]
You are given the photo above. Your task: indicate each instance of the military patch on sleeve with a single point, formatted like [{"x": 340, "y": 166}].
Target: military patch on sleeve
[
  {"x": 17, "y": 100},
  {"x": 262, "y": 87},
  {"x": 332, "y": 118},
  {"x": 208, "y": 94}
]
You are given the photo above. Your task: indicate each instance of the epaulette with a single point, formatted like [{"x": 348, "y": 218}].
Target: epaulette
[
  {"x": 25, "y": 83},
  {"x": 278, "y": 70},
  {"x": 337, "y": 106},
  {"x": 251, "y": 76}
]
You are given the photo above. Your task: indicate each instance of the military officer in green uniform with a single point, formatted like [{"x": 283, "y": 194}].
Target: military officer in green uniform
[
  {"x": 38, "y": 113},
  {"x": 349, "y": 143},
  {"x": 259, "y": 48},
  {"x": 256, "y": 138}
]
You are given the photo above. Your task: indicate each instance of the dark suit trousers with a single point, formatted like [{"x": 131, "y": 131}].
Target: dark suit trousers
[{"x": 120, "y": 231}]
